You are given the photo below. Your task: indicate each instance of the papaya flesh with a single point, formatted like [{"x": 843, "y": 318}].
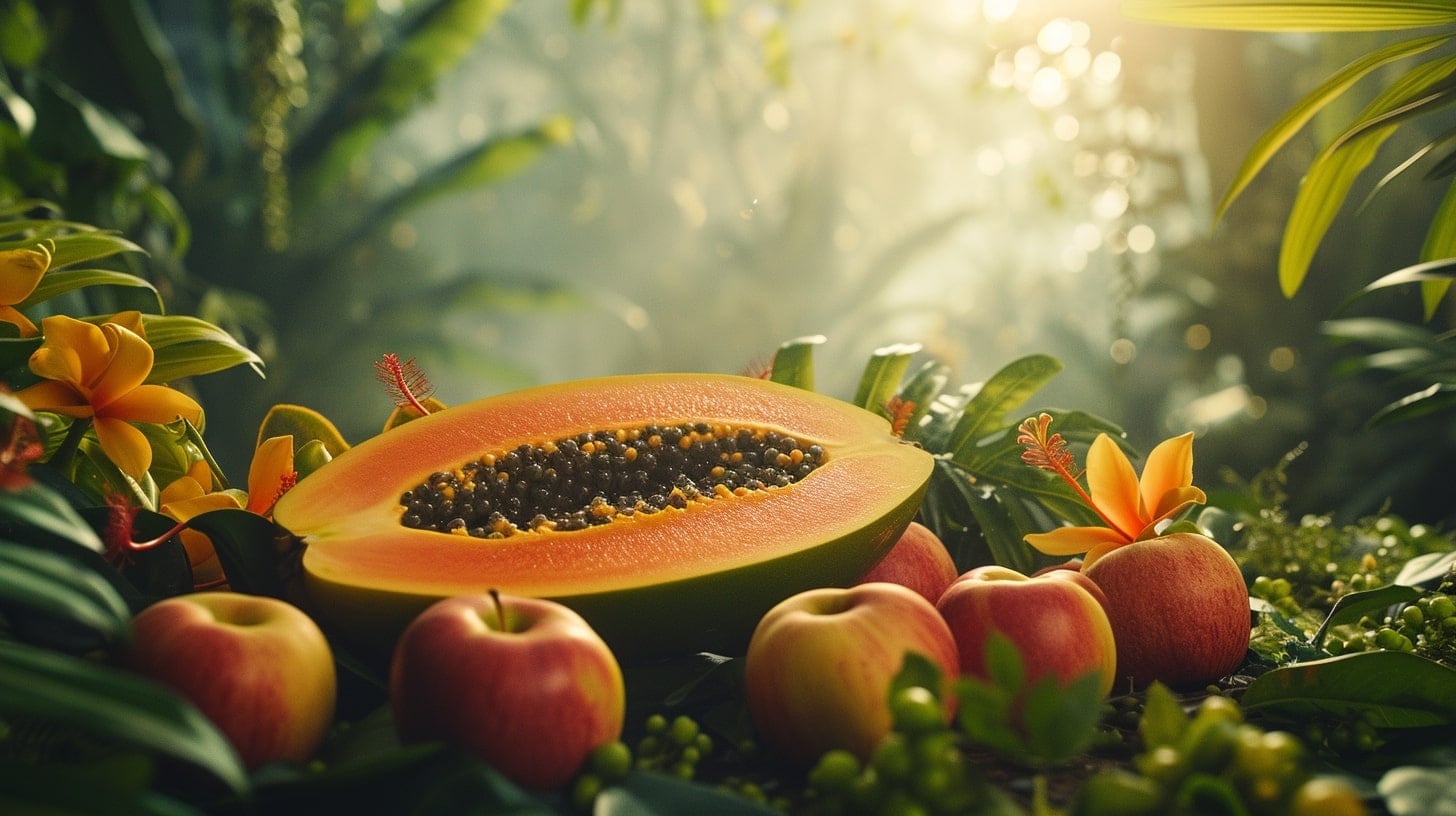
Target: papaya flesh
[{"x": 677, "y": 580}]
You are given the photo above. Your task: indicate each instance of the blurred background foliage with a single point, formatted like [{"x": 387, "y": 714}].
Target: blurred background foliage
[{"x": 530, "y": 192}]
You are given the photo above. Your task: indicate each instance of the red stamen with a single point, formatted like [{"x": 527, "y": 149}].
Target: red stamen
[
  {"x": 1050, "y": 452},
  {"x": 405, "y": 382},
  {"x": 120, "y": 519}
]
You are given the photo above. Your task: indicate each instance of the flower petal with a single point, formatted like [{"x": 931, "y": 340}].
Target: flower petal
[
  {"x": 1113, "y": 485},
  {"x": 154, "y": 403},
  {"x": 1176, "y": 501},
  {"x": 128, "y": 366},
  {"x": 125, "y": 446},
  {"x": 1074, "y": 540},
  {"x": 20, "y": 271},
  {"x": 73, "y": 351},
  {"x": 1169, "y": 467},
  {"x": 9, "y": 314},
  {"x": 56, "y": 397},
  {"x": 1099, "y": 551},
  {"x": 272, "y": 461}
]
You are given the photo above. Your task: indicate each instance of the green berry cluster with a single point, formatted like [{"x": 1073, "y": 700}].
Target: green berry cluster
[
  {"x": 673, "y": 746},
  {"x": 918, "y": 768},
  {"x": 1426, "y": 627},
  {"x": 607, "y": 765},
  {"x": 1213, "y": 762},
  {"x": 1277, "y": 591}
]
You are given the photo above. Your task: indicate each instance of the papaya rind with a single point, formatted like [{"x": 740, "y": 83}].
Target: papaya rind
[{"x": 366, "y": 575}]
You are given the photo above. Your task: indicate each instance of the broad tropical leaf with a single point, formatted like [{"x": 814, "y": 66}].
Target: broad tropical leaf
[
  {"x": 1299, "y": 115},
  {"x": 1295, "y": 15},
  {"x": 1332, "y": 173}
]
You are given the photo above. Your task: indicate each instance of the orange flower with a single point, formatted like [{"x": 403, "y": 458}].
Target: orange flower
[
  {"x": 1131, "y": 509},
  {"x": 100, "y": 372},
  {"x": 20, "y": 272},
  {"x": 269, "y": 476}
]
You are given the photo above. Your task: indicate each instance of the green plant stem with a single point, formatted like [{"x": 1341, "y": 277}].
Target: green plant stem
[{"x": 65, "y": 455}]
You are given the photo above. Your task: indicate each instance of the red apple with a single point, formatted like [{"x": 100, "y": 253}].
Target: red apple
[
  {"x": 919, "y": 560},
  {"x": 1179, "y": 609},
  {"x": 819, "y": 665},
  {"x": 1057, "y": 622},
  {"x": 258, "y": 667},
  {"x": 524, "y": 683}
]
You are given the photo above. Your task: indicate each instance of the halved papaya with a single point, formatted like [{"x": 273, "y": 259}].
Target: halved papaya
[{"x": 676, "y": 577}]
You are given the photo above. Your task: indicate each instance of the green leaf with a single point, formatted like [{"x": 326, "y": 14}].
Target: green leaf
[
  {"x": 1294, "y": 15},
  {"x": 1418, "y": 791},
  {"x": 793, "y": 363},
  {"x": 987, "y": 410},
  {"x": 1435, "y": 398},
  {"x": 1334, "y": 170},
  {"x": 1440, "y": 248},
  {"x": 1004, "y": 664},
  {"x": 71, "y": 129},
  {"x": 1359, "y": 685},
  {"x": 247, "y": 545},
  {"x": 187, "y": 346},
  {"x": 38, "y": 507},
  {"x": 1355, "y": 605},
  {"x": 1379, "y": 331},
  {"x": 59, "y": 282},
  {"x": 304, "y": 425},
  {"x": 882, "y": 374},
  {"x": 916, "y": 670},
  {"x": 1163, "y": 720},
  {"x": 1426, "y": 569},
  {"x": 1061, "y": 720},
  {"x": 79, "y": 247},
  {"x": 921, "y": 389},
  {"x": 645, "y": 793},
  {"x": 1298, "y": 115},
  {"x": 42, "y": 591},
  {"x": 115, "y": 705},
  {"x": 437, "y": 38}
]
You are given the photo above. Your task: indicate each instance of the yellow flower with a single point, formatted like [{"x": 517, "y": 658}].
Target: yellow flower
[
  {"x": 20, "y": 272},
  {"x": 1131, "y": 509},
  {"x": 190, "y": 495},
  {"x": 100, "y": 372}
]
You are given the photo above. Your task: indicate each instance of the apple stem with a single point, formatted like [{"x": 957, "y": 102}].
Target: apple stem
[{"x": 500, "y": 612}]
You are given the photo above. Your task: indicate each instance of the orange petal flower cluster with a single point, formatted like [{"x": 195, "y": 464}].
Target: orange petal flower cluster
[
  {"x": 99, "y": 373},
  {"x": 20, "y": 272},
  {"x": 1131, "y": 508}
]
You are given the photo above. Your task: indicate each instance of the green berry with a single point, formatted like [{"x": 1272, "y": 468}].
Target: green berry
[
  {"x": 1326, "y": 797},
  {"x": 656, "y": 724},
  {"x": 584, "y": 791},
  {"x": 836, "y": 770},
  {"x": 684, "y": 730},
  {"x": 893, "y": 760},
  {"x": 1412, "y": 616},
  {"x": 1441, "y": 607},
  {"x": 1388, "y": 639},
  {"x": 915, "y": 710},
  {"x": 611, "y": 760},
  {"x": 1163, "y": 765}
]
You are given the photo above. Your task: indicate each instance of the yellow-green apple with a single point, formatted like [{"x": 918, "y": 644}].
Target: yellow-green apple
[
  {"x": 524, "y": 683},
  {"x": 1056, "y": 621},
  {"x": 258, "y": 667},
  {"x": 1179, "y": 609},
  {"x": 819, "y": 665},
  {"x": 919, "y": 560}
]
